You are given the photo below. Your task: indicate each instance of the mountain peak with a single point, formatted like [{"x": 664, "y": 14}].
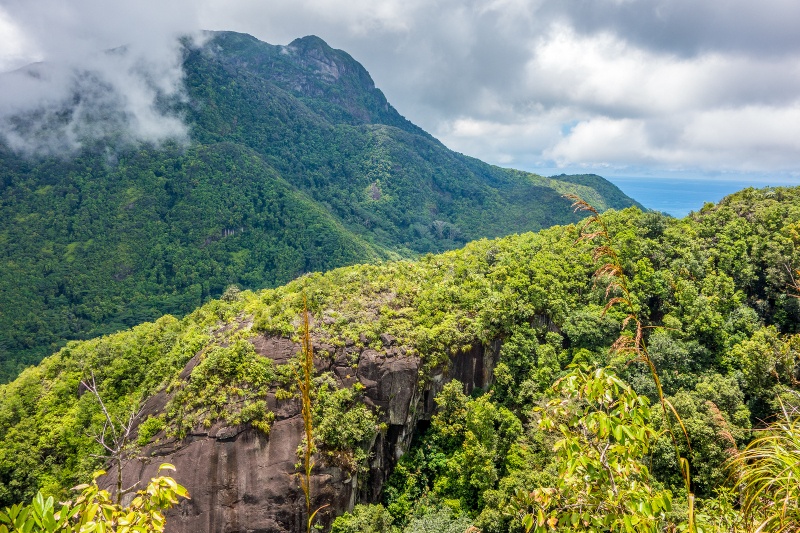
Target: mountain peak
[
  {"x": 329, "y": 64},
  {"x": 310, "y": 42},
  {"x": 329, "y": 81}
]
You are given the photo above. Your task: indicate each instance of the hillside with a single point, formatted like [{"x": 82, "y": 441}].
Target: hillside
[
  {"x": 505, "y": 317},
  {"x": 296, "y": 163}
]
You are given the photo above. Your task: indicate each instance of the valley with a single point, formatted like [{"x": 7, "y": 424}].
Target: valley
[
  {"x": 318, "y": 316},
  {"x": 296, "y": 164}
]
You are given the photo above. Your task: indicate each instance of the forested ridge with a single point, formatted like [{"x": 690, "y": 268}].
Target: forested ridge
[
  {"x": 296, "y": 163},
  {"x": 715, "y": 292}
]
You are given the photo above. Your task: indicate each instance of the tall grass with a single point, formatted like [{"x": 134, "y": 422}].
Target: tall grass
[{"x": 769, "y": 477}]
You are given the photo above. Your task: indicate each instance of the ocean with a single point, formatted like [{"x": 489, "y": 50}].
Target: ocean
[{"x": 679, "y": 196}]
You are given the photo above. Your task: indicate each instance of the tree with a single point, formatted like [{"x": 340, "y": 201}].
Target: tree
[
  {"x": 603, "y": 483},
  {"x": 116, "y": 438}
]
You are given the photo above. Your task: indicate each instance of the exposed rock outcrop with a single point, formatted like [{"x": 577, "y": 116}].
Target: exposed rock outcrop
[{"x": 242, "y": 480}]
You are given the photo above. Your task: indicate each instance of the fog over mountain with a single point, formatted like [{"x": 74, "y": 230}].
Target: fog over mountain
[
  {"x": 610, "y": 85},
  {"x": 98, "y": 70}
]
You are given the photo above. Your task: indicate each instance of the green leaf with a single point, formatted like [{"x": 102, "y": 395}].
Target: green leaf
[{"x": 527, "y": 522}]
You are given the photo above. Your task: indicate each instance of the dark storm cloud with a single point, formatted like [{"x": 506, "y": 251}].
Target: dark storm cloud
[{"x": 690, "y": 27}]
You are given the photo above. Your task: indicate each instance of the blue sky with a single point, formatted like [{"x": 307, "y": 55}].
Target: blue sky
[{"x": 693, "y": 88}]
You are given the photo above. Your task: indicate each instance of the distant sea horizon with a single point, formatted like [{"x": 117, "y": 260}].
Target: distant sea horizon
[{"x": 679, "y": 196}]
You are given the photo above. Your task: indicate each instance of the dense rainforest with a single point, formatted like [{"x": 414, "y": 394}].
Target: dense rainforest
[
  {"x": 715, "y": 294},
  {"x": 295, "y": 163}
]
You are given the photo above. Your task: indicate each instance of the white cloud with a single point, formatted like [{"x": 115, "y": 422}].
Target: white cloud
[
  {"x": 690, "y": 84},
  {"x": 603, "y": 140},
  {"x": 116, "y": 91},
  {"x": 15, "y": 50},
  {"x": 504, "y": 143},
  {"x": 750, "y": 139},
  {"x": 598, "y": 101},
  {"x": 606, "y": 72}
]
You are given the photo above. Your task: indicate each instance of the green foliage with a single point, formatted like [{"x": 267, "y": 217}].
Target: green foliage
[
  {"x": 721, "y": 514},
  {"x": 229, "y": 383},
  {"x": 343, "y": 425},
  {"x": 149, "y": 429},
  {"x": 528, "y": 367},
  {"x": 365, "y": 519},
  {"x": 489, "y": 431},
  {"x": 725, "y": 351},
  {"x": 94, "y": 510},
  {"x": 440, "y": 521},
  {"x": 449, "y": 422},
  {"x": 273, "y": 184},
  {"x": 605, "y": 434},
  {"x": 765, "y": 363},
  {"x": 461, "y": 458},
  {"x": 109, "y": 262},
  {"x": 376, "y": 519},
  {"x": 716, "y": 421}
]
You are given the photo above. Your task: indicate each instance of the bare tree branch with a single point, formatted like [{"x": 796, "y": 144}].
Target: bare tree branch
[{"x": 115, "y": 437}]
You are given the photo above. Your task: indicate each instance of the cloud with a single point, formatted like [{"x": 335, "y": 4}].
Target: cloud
[
  {"x": 637, "y": 107},
  {"x": 689, "y": 27},
  {"x": 606, "y": 84},
  {"x": 107, "y": 69},
  {"x": 13, "y": 45},
  {"x": 606, "y": 72},
  {"x": 506, "y": 143},
  {"x": 600, "y": 102},
  {"x": 749, "y": 139}
]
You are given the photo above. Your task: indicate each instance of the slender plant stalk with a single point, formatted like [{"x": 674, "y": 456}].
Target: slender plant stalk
[
  {"x": 618, "y": 294},
  {"x": 304, "y": 385}
]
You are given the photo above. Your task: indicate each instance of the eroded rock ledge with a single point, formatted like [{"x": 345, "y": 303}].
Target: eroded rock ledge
[{"x": 242, "y": 480}]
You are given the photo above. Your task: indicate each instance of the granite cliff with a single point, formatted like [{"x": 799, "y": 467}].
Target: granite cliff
[{"x": 242, "y": 480}]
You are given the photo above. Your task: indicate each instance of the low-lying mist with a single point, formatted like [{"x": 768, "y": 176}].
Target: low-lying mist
[{"x": 94, "y": 72}]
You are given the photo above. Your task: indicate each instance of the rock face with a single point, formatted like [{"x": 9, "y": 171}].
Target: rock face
[{"x": 242, "y": 480}]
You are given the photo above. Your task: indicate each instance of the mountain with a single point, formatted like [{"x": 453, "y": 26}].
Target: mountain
[
  {"x": 505, "y": 317},
  {"x": 296, "y": 163}
]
